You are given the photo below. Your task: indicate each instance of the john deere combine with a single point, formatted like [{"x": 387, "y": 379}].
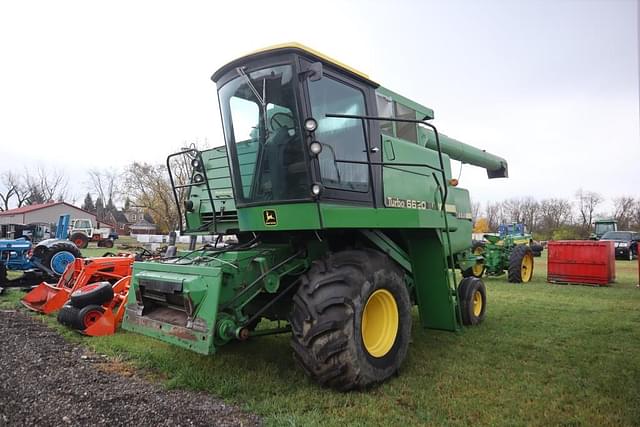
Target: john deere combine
[{"x": 341, "y": 197}]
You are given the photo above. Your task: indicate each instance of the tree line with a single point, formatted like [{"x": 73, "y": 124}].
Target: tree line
[
  {"x": 139, "y": 185},
  {"x": 147, "y": 187},
  {"x": 558, "y": 218}
]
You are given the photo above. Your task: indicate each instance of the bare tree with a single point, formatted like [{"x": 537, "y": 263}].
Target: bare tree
[
  {"x": 8, "y": 190},
  {"x": 494, "y": 215},
  {"x": 104, "y": 183},
  {"x": 475, "y": 211},
  {"x": 624, "y": 207},
  {"x": 588, "y": 201},
  {"x": 46, "y": 185},
  {"x": 512, "y": 209},
  {"x": 554, "y": 213},
  {"x": 530, "y": 212},
  {"x": 15, "y": 191}
]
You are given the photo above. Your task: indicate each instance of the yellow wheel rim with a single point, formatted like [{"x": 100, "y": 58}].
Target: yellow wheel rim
[
  {"x": 526, "y": 269},
  {"x": 477, "y": 269},
  {"x": 477, "y": 303},
  {"x": 380, "y": 321}
]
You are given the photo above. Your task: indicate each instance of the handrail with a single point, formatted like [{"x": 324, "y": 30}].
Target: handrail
[{"x": 198, "y": 155}]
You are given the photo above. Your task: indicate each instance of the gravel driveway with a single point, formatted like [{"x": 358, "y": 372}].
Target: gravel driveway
[{"x": 45, "y": 380}]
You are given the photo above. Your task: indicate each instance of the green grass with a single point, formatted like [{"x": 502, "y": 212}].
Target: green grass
[{"x": 546, "y": 354}]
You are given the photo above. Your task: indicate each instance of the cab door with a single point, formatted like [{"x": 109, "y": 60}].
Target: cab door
[{"x": 342, "y": 166}]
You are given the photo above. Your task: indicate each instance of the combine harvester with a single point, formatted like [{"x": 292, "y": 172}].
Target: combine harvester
[{"x": 341, "y": 196}]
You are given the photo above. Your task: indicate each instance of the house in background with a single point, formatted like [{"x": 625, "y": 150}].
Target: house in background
[{"x": 133, "y": 221}]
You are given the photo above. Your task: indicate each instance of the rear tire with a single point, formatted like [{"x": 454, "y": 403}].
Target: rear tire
[
  {"x": 80, "y": 240},
  {"x": 58, "y": 256},
  {"x": 93, "y": 294},
  {"x": 68, "y": 316},
  {"x": 521, "y": 264},
  {"x": 351, "y": 320},
  {"x": 472, "y": 296}
]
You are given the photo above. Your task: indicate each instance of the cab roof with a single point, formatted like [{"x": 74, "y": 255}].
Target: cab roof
[{"x": 298, "y": 48}]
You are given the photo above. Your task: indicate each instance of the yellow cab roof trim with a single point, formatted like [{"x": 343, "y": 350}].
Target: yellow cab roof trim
[{"x": 299, "y": 46}]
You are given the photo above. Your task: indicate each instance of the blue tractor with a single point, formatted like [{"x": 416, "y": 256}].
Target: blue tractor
[{"x": 48, "y": 259}]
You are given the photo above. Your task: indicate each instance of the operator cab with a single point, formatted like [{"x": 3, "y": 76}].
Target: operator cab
[{"x": 276, "y": 153}]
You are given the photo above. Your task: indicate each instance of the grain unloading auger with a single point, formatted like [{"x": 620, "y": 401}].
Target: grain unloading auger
[{"x": 341, "y": 197}]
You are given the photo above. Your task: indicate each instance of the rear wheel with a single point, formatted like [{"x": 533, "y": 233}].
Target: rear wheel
[
  {"x": 93, "y": 294},
  {"x": 68, "y": 316},
  {"x": 472, "y": 297},
  {"x": 58, "y": 256},
  {"x": 351, "y": 320},
  {"x": 521, "y": 264},
  {"x": 81, "y": 240},
  {"x": 90, "y": 315}
]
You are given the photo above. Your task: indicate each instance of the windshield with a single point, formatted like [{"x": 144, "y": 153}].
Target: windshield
[
  {"x": 616, "y": 235},
  {"x": 263, "y": 135},
  {"x": 602, "y": 228}
]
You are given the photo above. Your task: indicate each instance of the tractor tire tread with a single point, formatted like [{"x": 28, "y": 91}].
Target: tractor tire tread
[
  {"x": 69, "y": 316},
  {"x": 323, "y": 318},
  {"x": 515, "y": 263},
  {"x": 48, "y": 253},
  {"x": 75, "y": 237},
  {"x": 466, "y": 290},
  {"x": 98, "y": 295}
]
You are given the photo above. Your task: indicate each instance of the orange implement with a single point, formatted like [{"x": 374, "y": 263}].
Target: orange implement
[
  {"x": 105, "y": 322},
  {"x": 47, "y": 298}
]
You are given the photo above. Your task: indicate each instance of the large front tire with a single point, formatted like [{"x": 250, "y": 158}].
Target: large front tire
[{"x": 351, "y": 320}]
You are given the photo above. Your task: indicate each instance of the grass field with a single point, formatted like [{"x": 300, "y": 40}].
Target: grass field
[{"x": 545, "y": 355}]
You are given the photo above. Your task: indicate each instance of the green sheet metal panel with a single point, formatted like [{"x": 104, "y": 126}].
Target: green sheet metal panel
[
  {"x": 437, "y": 304},
  {"x": 202, "y": 284}
]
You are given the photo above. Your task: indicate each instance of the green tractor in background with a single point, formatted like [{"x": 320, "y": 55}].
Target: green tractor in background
[
  {"x": 340, "y": 195},
  {"x": 512, "y": 250},
  {"x": 602, "y": 226}
]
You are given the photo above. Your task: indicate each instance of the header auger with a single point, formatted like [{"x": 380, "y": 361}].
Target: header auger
[{"x": 346, "y": 215}]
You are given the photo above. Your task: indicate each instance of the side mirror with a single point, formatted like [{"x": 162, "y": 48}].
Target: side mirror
[{"x": 313, "y": 71}]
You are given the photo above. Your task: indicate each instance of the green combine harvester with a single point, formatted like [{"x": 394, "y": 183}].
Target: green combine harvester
[{"x": 340, "y": 195}]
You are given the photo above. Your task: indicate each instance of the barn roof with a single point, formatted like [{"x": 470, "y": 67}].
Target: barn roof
[{"x": 37, "y": 207}]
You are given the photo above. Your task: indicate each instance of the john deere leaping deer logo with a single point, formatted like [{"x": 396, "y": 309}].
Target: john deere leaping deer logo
[{"x": 269, "y": 217}]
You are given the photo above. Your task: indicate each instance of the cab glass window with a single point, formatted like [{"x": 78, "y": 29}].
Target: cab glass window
[
  {"x": 406, "y": 131},
  {"x": 385, "y": 109},
  {"x": 342, "y": 139}
]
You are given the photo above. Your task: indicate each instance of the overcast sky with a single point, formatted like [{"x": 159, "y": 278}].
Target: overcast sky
[{"x": 551, "y": 85}]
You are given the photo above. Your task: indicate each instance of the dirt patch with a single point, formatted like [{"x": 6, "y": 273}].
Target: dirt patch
[{"x": 45, "y": 380}]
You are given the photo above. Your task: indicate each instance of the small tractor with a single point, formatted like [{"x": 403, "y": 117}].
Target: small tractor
[
  {"x": 601, "y": 226},
  {"x": 82, "y": 232},
  {"x": 511, "y": 250},
  {"x": 340, "y": 194},
  {"x": 48, "y": 259}
]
